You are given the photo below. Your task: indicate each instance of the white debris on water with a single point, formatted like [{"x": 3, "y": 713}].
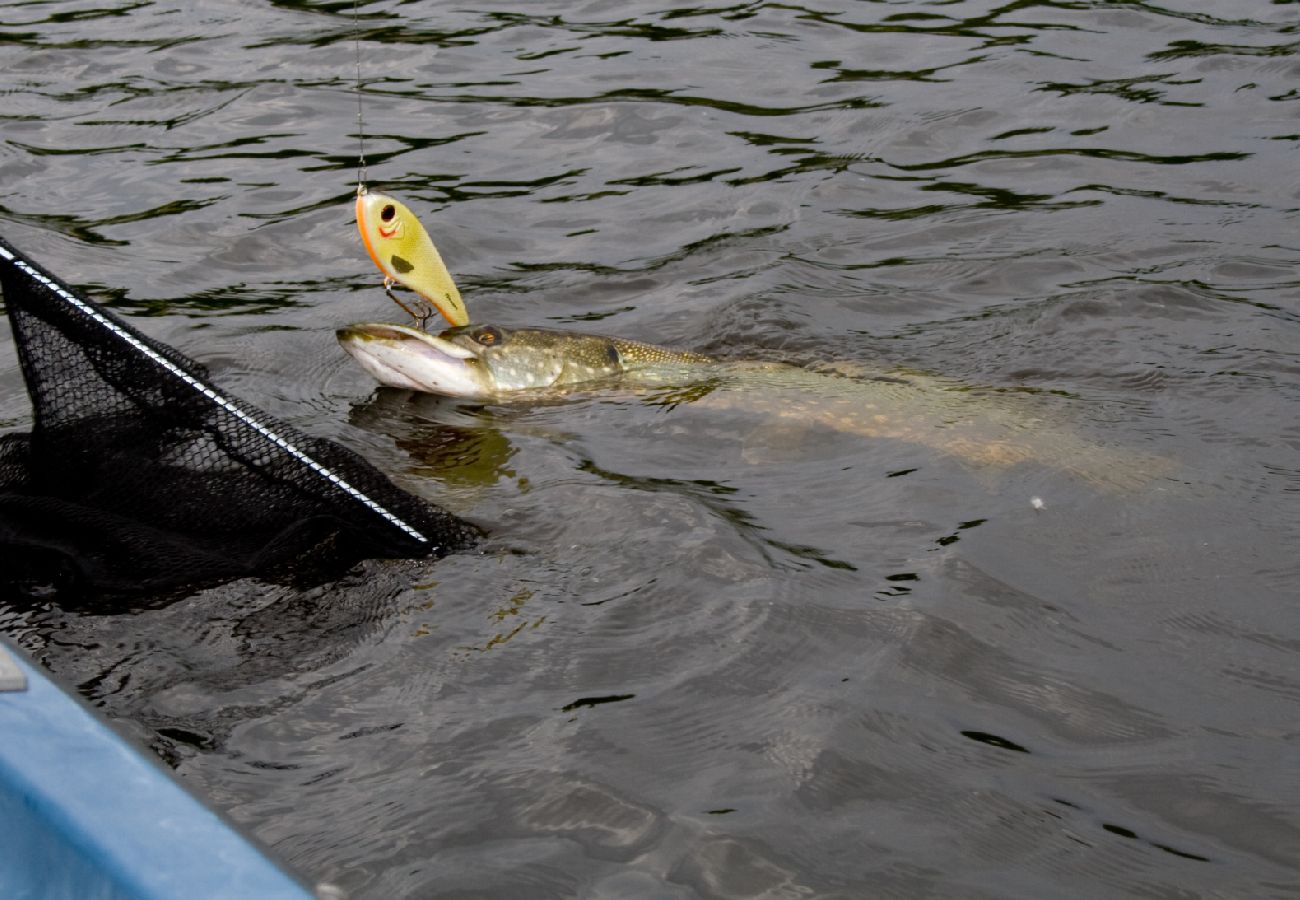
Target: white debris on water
[{"x": 1036, "y": 502}]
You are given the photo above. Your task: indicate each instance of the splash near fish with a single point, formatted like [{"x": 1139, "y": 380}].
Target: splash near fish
[{"x": 405, "y": 254}]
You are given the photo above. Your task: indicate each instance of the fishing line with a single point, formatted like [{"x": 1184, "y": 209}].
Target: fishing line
[
  {"x": 402, "y": 258},
  {"x": 360, "y": 119}
]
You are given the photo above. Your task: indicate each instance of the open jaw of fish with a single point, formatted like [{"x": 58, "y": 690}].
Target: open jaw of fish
[
  {"x": 985, "y": 428},
  {"x": 403, "y": 357}
]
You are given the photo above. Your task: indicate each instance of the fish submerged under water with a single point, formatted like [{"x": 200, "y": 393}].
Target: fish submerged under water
[{"x": 486, "y": 363}]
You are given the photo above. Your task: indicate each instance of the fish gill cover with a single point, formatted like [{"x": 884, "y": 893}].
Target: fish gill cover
[{"x": 140, "y": 477}]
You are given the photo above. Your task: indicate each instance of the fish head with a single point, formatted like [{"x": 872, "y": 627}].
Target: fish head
[
  {"x": 405, "y": 253},
  {"x": 480, "y": 362}
]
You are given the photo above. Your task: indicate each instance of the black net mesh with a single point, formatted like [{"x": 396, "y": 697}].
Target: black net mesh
[{"x": 140, "y": 477}]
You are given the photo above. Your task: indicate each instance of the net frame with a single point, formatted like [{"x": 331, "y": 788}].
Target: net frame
[{"x": 119, "y": 416}]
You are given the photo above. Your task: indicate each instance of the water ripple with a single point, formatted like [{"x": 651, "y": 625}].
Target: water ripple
[{"x": 706, "y": 652}]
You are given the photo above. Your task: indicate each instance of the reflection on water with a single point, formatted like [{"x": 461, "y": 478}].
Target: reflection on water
[
  {"x": 703, "y": 654},
  {"x": 442, "y": 442}
]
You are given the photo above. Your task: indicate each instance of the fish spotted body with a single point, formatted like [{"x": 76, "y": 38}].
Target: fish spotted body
[
  {"x": 404, "y": 252},
  {"x": 490, "y": 364},
  {"x": 484, "y": 362}
]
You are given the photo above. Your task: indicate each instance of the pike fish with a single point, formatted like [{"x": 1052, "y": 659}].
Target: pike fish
[{"x": 486, "y": 363}]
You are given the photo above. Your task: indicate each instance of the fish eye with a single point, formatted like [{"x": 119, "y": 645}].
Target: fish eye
[
  {"x": 488, "y": 335},
  {"x": 388, "y": 212}
]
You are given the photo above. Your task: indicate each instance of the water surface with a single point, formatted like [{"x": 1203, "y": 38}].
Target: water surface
[{"x": 700, "y": 656}]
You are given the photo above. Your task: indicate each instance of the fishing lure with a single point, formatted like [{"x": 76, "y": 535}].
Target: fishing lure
[{"x": 405, "y": 253}]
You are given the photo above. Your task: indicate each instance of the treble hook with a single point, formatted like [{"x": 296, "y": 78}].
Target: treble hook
[{"x": 427, "y": 309}]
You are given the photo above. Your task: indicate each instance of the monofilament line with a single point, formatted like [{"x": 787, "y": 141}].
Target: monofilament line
[{"x": 361, "y": 123}]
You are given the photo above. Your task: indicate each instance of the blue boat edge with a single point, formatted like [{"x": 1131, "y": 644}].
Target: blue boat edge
[{"x": 85, "y": 813}]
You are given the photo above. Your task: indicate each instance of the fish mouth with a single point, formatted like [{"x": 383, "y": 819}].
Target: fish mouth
[{"x": 404, "y": 357}]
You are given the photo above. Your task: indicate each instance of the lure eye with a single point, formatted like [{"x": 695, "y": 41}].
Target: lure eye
[
  {"x": 388, "y": 212},
  {"x": 488, "y": 335}
]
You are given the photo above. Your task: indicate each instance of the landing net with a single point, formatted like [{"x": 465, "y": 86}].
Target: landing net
[{"x": 140, "y": 476}]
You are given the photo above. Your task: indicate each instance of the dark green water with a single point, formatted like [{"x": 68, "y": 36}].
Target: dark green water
[{"x": 697, "y": 658}]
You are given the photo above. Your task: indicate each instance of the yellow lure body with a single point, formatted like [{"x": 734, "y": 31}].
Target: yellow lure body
[{"x": 405, "y": 253}]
